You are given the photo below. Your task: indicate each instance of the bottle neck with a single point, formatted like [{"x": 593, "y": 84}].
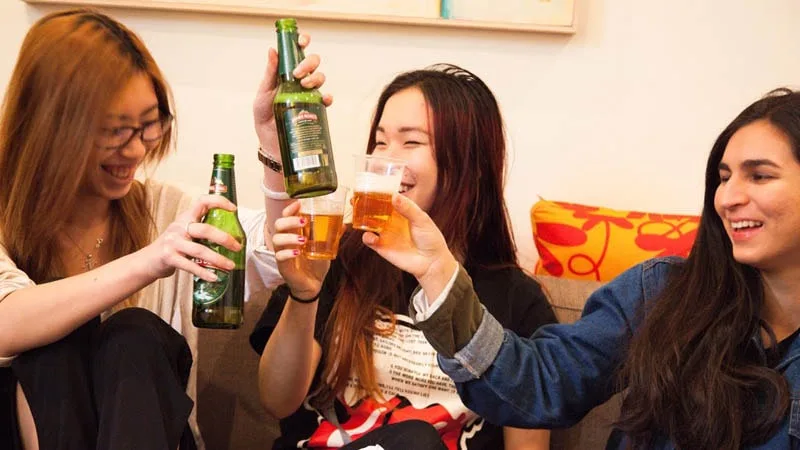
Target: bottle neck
[
  {"x": 289, "y": 53},
  {"x": 223, "y": 182}
]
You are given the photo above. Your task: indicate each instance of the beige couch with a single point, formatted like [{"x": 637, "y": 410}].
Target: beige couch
[{"x": 231, "y": 417}]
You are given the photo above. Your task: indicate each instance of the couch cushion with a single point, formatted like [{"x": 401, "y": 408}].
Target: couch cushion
[
  {"x": 567, "y": 297},
  {"x": 231, "y": 417},
  {"x": 595, "y": 243}
]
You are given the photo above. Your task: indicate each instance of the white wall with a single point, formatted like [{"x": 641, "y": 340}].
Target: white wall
[{"x": 622, "y": 114}]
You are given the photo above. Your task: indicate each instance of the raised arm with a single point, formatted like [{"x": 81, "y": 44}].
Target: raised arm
[
  {"x": 550, "y": 380},
  {"x": 264, "y": 120},
  {"x": 291, "y": 355}
]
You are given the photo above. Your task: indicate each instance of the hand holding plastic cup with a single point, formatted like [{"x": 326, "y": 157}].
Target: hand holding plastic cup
[
  {"x": 377, "y": 178},
  {"x": 324, "y": 216}
]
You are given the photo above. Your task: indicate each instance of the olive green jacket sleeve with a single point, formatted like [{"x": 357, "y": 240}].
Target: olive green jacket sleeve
[{"x": 456, "y": 321}]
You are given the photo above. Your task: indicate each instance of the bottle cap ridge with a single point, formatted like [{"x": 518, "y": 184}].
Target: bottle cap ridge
[
  {"x": 223, "y": 158},
  {"x": 287, "y": 23}
]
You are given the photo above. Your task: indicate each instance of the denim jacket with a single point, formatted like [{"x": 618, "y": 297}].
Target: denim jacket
[{"x": 557, "y": 376}]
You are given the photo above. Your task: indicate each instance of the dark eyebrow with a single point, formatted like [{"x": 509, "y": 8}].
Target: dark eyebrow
[
  {"x": 404, "y": 130},
  {"x": 412, "y": 129},
  {"x": 128, "y": 118},
  {"x": 754, "y": 163},
  {"x": 750, "y": 164}
]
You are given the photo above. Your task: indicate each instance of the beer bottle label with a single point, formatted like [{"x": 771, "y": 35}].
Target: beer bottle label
[
  {"x": 217, "y": 186},
  {"x": 207, "y": 292},
  {"x": 307, "y": 136}
]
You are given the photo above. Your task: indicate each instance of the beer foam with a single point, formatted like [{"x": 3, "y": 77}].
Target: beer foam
[
  {"x": 328, "y": 208},
  {"x": 373, "y": 182}
]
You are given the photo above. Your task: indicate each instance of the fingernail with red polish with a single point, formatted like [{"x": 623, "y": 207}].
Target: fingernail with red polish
[
  {"x": 301, "y": 238},
  {"x": 296, "y": 252}
]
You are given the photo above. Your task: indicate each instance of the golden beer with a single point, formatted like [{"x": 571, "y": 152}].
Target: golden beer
[
  {"x": 371, "y": 210},
  {"x": 322, "y": 233},
  {"x": 377, "y": 178}
]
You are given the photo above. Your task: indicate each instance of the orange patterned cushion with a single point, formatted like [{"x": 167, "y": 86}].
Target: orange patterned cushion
[{"x": 594, "y": 243}]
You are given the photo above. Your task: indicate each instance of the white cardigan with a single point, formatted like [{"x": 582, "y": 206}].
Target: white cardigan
[{"x": 171, "y": 298}]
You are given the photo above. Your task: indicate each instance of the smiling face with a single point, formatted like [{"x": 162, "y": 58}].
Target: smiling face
[
  {"x": 404, "y": 132},
  {"x": 758, "y": 198},
  {"x": 109, "y": 172}
]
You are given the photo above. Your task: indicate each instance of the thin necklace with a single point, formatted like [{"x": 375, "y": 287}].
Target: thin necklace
[{"x": 89, "y": 261}]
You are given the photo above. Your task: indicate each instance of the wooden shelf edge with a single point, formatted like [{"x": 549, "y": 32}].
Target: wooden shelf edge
[{"x": 316, "y": 15}]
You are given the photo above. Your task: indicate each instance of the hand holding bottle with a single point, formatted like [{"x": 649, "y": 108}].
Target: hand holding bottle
[
  {"x": 220, "y": 303},
  {"x": 415, "y": 246},
  {"x": 303, "y": 276},
  {"x": 175, "y": 247},
  {"x": 263, "y": 116},
  {"x": 301, "y": 122}
]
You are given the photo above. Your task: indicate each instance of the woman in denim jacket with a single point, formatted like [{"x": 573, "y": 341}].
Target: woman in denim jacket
[{"x": 705, "y": 347}]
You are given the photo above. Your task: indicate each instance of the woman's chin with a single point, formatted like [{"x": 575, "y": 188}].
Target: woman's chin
[{"x": 114, "y": 193}]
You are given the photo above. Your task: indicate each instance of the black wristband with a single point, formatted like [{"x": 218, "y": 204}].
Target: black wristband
[
  {"x": 303, "y": 300},
  {"x": 269, "y": 161}
]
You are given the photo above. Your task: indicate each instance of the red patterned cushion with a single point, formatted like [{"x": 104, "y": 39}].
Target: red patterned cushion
[{"x": 596, "y": 243}]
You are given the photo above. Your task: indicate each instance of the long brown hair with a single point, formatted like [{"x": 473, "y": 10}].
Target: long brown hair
[
  {"x": 689, "y": 371},
  {"x": 70, "y": 68},
  {"x": 470, "y": 153}
]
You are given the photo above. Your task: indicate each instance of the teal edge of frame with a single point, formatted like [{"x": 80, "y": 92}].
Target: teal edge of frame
[{"x": 445, "y": 9}]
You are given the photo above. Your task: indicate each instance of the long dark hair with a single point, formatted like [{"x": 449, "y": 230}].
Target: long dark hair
[
  {"x": 688, "y": 372},
  {"x": 470, "y": 153}
]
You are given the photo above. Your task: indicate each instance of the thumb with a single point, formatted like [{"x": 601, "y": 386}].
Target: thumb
[
  {"x": 408, "y": 209},
  {"x": 270, "y": 74}
]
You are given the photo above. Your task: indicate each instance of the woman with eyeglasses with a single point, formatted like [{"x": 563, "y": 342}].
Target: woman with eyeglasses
[{"x": 96, "y": 338}]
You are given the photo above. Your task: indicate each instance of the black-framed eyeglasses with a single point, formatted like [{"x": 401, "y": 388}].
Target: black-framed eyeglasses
[{"x": 151, "y": 132}]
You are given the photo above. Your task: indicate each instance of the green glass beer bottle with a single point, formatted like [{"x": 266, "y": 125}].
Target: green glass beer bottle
[
  {"x": 221, "y": 304},
  {"x": 302, "y": 123}
]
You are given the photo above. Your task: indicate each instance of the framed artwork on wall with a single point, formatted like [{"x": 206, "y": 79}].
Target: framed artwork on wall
[{"x": 544, "y": 16}]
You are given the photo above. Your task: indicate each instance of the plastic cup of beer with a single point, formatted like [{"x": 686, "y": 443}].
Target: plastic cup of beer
[
  {"x": 324, "y": 216},
  {"x": 377, "y": 178}
]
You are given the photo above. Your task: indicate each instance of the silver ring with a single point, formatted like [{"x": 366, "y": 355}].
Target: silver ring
[{"x": 186, "y": 228}]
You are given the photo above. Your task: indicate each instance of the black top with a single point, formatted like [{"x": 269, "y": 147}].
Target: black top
[{"x": 406, "y": 366}]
